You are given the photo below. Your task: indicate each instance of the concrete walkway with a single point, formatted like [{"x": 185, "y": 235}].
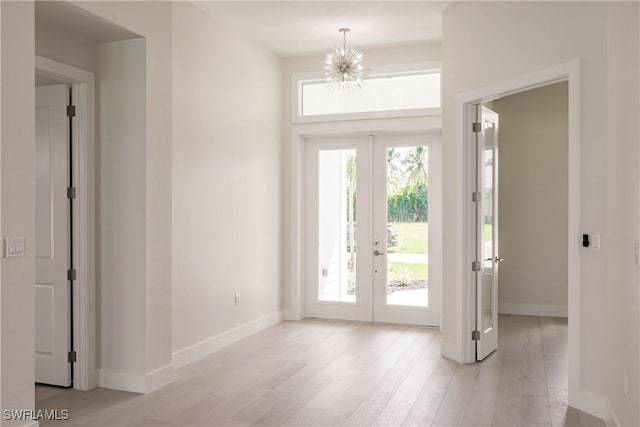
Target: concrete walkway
[
  {"x": 412, "y": 297},
  {"x": 408, "y": 258}
]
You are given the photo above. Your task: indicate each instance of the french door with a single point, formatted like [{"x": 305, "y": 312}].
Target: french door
[
  {"x": 373, "y": 228},
  {"x": 487, "y": 233}
]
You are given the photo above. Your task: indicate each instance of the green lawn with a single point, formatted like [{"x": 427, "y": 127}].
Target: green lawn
[
  {"x": 488, "y": 232},
  {"x": 407, "y": 271},
  {"x": 412, "y": 238}
]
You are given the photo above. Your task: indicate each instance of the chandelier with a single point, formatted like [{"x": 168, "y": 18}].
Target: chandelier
[{"x": 343, "y": 66}]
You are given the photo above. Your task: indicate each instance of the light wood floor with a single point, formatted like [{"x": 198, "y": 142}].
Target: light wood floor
[{"x": 344, "y": 374}]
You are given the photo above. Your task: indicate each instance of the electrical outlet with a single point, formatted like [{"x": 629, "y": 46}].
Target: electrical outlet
[{"x": 237, "y": 299}]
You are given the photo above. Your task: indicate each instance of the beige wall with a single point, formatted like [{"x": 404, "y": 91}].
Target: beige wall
[
  {"x": 618, "y": 308},
  {"x": 488, "y": 42},
  {"x": 152, "y": 20},
  {"x": 62, "y": 46},
  {"x": 18, "y": 204},
  {"x": 533, "y": 137},
  {"x": 1, "y": 405},
  {"x": 227, "y": 173},
  {"x": 227, "y": 144},
  {"x": 120, "y": 237},
  {"x": 133, "y": 297}
]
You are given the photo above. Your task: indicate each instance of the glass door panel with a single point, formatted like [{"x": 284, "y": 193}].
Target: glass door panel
[
  {"x": 487, "y": 233},
  {"x": 336, "y": 225},
  {"x": 487, "y": 227},
  {"x": 408, "y": 226}
]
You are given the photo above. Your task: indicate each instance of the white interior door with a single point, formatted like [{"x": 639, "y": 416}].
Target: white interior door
[
  {"x": 407, "y": 231},
  {"x": 367, "y": 254},
  {"x": 52, "y": 296},
  {"x": 487, "y": 233}
]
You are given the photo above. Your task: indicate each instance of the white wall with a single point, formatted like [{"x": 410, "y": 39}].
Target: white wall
[
  {"x": 152, "y": 20},
  {"x": 18, "y": 204},
  {"x": 487, "y": 42},
  {"x": 227, "y": 174},
  {"x": 533, "y": 201},
  {"x": 121, "y": 205},
  {"x": 1, "y": 405},
  {"x": 241, "y": 115},
  {"x": 62, "y": 46},
  {"x": 619, "y": 299}
]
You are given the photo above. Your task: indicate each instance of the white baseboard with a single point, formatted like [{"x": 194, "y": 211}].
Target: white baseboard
[
  {"x": 290, "y": 314},
  {"x": 533, "y": 309},
  {"x": 160, "y": 377},
  {"x": 596, "y": 405},
  {"x": 206, "y": 347},
  {"x": 137, "y": 383},
  {"x": 611, "y": 420}
]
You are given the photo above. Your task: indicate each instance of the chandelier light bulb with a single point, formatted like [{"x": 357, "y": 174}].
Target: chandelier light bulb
[{"x": 343, "y": 66}]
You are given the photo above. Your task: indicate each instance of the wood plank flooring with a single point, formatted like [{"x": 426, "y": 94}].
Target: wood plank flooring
[{"x": 328, "y": 373}]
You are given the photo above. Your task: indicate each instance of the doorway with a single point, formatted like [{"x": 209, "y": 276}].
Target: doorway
[
  {"x": 530, "y": 193},
  {"x": 78, "y": 170},
  {"x": 467, "y": 102},
  {"x": 372, "y": 228}
]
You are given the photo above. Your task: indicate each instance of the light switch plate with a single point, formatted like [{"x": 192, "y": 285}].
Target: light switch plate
[
  {"x": 13, "y": 247},
  {"x": 595, "y": 242}
]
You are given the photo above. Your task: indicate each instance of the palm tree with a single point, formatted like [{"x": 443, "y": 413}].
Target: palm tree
[
  {"x": 394, "y": 172},
  {"x": 415, "y": 166}
]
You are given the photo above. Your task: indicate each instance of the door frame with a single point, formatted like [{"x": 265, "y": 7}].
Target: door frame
[
  {"x": 83, "y": 163},
  {"x": 294, "y": 289},
  {"x": 465, "y": 115}
]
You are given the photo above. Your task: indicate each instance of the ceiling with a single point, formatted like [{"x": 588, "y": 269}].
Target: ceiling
[{"x": 291, "y": 28}]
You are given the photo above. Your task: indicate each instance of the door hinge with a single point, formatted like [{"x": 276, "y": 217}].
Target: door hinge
[
  {"x": 71, "y": 274},
  {"x": 71, "y": 356},
  {"x": 71, "y": 193},
  {"x": 475, "y": 266},
  {"x": 476, "y": 196},
  {"x": 71, "y": 110},
  {"x": 476, "y": 127},
  {"x": 475, "y": 335}
]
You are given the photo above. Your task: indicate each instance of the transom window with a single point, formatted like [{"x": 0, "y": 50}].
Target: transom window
[{"x": 384, "y": 94}]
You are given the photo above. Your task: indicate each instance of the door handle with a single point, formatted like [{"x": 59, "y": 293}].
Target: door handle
[
  {"x": 496, "y": 259},
  {"x": 378, "y": 253}
]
